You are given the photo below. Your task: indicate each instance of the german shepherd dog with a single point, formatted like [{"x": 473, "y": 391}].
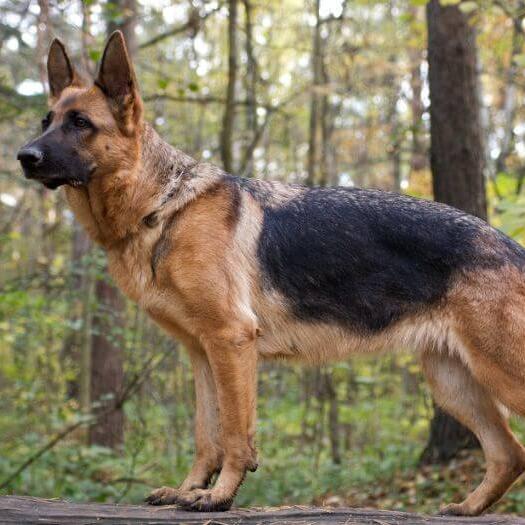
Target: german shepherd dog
[{"x": 242, "y": 270}]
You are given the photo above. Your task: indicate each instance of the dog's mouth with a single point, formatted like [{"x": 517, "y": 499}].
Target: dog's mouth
[{"x": 53, "y": 181}]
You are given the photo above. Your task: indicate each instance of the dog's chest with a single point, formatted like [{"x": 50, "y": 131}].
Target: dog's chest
[
  {"x": 130, "y": 266},
  {"x": 132, "y": 270}
]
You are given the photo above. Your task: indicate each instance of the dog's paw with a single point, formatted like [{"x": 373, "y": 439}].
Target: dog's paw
[
  {"x": 202, "y": 500},
  {"x": 457, "y": 509},
  {"x": 163, "y": 496}
]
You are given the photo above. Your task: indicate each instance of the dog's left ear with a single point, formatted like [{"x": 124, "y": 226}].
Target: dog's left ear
[
  {"x": 60, "y": 71},
  {"x": 116, "y": 78}
]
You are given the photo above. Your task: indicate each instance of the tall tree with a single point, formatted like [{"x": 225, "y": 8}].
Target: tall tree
[
  {"x": 456, "y": 158},
  {"x": 315, "y": 100},
  {"x": 228, "y": 121},
  {"x": 107, "y": 372},
  {"x": 122, "y": 15}
]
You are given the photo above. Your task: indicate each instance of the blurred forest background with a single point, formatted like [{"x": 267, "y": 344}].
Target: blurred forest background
[{"x": 97, "y": 405}]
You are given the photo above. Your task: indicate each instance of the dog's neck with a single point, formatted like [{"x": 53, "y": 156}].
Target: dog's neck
[{"x": 115, "y": 207}]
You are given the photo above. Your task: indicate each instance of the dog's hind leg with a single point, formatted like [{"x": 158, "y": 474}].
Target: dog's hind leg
[
  {"x": 457, "y": 392},
  {"x": 208, "y": 455}
]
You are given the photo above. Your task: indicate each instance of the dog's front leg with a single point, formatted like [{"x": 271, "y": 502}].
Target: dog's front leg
[
  {"x": 208, "y": 457},
  {"x": 233, "y": 360}
]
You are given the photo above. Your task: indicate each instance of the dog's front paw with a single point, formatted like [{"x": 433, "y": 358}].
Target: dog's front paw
[
  {"x": 163, "y": 496},
  {"x": 458, "y": 509},
  {"x": 201, "y": 500}
]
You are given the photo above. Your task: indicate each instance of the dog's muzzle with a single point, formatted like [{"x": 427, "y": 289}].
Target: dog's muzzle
[{"x": 30, "y": 158}]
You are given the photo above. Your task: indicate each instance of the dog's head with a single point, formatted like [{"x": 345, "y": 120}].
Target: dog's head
[{"x": 90, "y": 130}]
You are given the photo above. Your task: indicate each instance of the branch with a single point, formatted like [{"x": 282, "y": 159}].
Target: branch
[
  {"x": 193, "y": 24},
  {"x": 248, "y": 154},
  {"x": 220, "y": 100}
]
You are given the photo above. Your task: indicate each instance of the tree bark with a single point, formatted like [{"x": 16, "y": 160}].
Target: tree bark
[
  {"x": 251, "y": 89},
  {"x": 456, "y": 158},
  {"x": 457, "y": 154},
  {"x": 228, "y": 121},
  {"x": 510, "y": 99},
  {"x": 126, "y": 22},
  {"x": 315, "y": 102},
  {"x": 107, "y": 374}
]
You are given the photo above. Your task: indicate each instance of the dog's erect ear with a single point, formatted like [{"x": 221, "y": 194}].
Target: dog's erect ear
[
  {"x": 116, "y": 78},
  {"x": 61, "y": 73}
]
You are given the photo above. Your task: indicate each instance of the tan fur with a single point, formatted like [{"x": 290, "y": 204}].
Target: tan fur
[{"x": 190, "y": 261}]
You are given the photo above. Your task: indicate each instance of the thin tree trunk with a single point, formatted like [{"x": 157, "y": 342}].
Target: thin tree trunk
[
  {"x": 418, "y": 158},
  {"x": 251, "y": 89},
  {"x": 72, "y": 349},
  {"x": 87, "y": 37},
  {"x": 328, "y": 175},
  {"x": 510, "y": 97},
  {"x": 419, "y": 155},
  {"x": 42, "y": 41},
  {"x": 315, "y": 102},
  {"x": 457, "y": 158},
  {"x": 107, "y": 375},
  {"x": 228, "y": 121},
  {"x": 334, "y": 428},
  {"x": 126, "y": 21},
  {"x": 396, "y": 138}
]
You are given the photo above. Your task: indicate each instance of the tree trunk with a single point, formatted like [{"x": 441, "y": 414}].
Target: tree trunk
[
  {"x": 457, "y": 155},
  {"x": 334, "y": 427},
  {"x": 251, "y": 88},
  {"x": 228, "y": 121},
  {"x": 456, "y": 158},
  {"x": 510, "y": 99},
  {"x": 418, "y": 157},
  {"x": 126, "y": 21},
  {"x": 107, "y": 375},
  {"x": 315, "y": 102}
]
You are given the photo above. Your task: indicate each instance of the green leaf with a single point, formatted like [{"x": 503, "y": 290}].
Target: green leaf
[
  {"x": 192, "y": 86},
  {"x": 94, "y": 54}
]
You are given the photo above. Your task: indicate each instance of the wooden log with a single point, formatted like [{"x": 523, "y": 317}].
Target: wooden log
[{"x": 24, "y": 510}]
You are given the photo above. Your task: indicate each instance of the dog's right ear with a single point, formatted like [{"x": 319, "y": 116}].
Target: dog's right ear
[
  {"x": 116, "y": 78},
  {"x": 60, "y": 71}
]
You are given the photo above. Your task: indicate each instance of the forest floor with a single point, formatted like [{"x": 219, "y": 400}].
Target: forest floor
[{"x": 425, "y": 488}]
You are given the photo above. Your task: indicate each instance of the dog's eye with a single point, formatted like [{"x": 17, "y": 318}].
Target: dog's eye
[
  {"x": 46, "y": 121},
  {"x": 81, "y": 122}
]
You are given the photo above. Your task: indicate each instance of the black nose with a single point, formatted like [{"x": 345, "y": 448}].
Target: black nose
[{"x": 30, "y": 157}]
